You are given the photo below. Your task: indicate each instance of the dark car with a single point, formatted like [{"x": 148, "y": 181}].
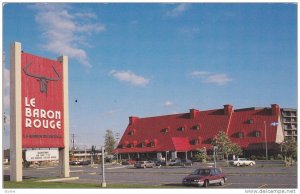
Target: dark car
[
  {"x": 75, "y": 162},
  {"x": 159, "y": 162},
  {"x": 180, "y": 162},
  {"x": 205, "y": 177},
  {"x": 186, "y": 162},
  {"x": 174, "y": 162},
  {"x": 85, "y": 162}
]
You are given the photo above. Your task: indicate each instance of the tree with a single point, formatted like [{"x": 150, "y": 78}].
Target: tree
[
  {"x": 201, "y": 155},
  {"x": 289, "y": 148},
  {"x": 225, "y": 145},
  {"x": 109, "y": 141},
  {"x": 236, "y": 149}
]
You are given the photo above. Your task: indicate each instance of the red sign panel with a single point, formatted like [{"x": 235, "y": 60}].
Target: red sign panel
[{"x": 42, "y": 102}]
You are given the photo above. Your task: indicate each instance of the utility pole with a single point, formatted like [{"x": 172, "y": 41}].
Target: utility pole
[
  {"x": 266, "y": 142},
  {"x": 215, "y": 161},
  {"x": 103, "y": 171},
  {"x": 73, "y": 141},
  {"x": 117, "y": 138}
]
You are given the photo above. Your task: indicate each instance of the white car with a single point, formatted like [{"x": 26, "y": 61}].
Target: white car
[
  {"x": 144, "y": 164},
  {"x": 242, "y": 162}
]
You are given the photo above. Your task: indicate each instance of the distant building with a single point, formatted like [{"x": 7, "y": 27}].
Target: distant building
[
  {"x": 180, "y": 135},
  {"x": 289, "y": 120}
]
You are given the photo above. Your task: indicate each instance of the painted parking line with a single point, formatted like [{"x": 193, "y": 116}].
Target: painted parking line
[
  {"x": 76, "y": 170},
  {"x": 44, "y": 168},
  {"x": 116, "y": 167},
  {"x": 92, "y": 173},
  {"x": 76, "y": 166}
]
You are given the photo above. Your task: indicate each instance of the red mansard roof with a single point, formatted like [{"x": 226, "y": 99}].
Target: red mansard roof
[
  {"x": 196, "y": 129},
  {"x": 251, "y": 121}
]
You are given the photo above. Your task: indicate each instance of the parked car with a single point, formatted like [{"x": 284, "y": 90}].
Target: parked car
[
  {"x": 144, "y": 164},
  {"x": 180, "y": 162},
  {"x": 159, "y": 163},
  {"x": 75, "y": 162},
  {"x": 205, "y": 177},
  {"x": 85, "y": 162},
  {"x": 128, "y": 162},
  {"x": 242, "y": 162},
  {"x": 185, "y": 162},
  {"x": 173, "y": 162}
]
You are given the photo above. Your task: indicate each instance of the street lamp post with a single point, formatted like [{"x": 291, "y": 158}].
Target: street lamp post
[
  {"x": 215, "y": 161},
  {"x": 103, "y": 173},
  {"x": 167, "y": 158},
  {"x": 266, "y": 144}
]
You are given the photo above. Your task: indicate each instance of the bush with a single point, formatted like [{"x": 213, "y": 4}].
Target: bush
[
  {"x": 252, "y": 157},
  {"x": 279, "y": 157}
]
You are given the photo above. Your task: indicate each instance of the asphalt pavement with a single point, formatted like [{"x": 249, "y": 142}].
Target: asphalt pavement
[{"x": 271, "y": 176}]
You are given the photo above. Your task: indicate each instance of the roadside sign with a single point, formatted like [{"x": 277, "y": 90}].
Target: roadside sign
[{"x": 41, "y": 155}]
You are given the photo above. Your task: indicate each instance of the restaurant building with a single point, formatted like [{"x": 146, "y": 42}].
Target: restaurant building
[{"x": 181, "y": 135}]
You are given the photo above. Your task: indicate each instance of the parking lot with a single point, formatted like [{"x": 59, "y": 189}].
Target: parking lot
[{"x": 238, "y": 177}]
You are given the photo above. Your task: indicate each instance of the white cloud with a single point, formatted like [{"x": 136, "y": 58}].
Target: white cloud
[
  {"x": 168, "y": 103},
  {"x": 178, "y": 10},
  {"x": 220, "y": 79},
  {"x": 130, "y": 77},
  {"x": 209, "y": 77},
  {"x": 64, "y": 33},
  {"x": 200, "y": 73},
  {"x": 111, "y": 112}
]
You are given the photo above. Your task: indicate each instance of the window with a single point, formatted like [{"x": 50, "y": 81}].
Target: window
[
  {"x": 165, "y": 130},
  {"x": 196, "y": 127},
  {"x": 212, "y": 172},
  {"x": 240, "y": 134},
  {"x": 218, "y": 171},
  {"x": 123, "y": 145},
  {"x": 181, "y": 128},
  {"x": 250, "y": 121},
  {"x": 152, "y": 144},
  {"x": 143, "y": 144},
  {"x": 257, "y": 134},
  {"x": 131, "y": 133},
  {"x": 131, "y": 145},
  {"x": 195, "y": 142}
]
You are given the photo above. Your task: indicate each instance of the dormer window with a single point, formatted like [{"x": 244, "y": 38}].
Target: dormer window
[
  {"x": 196, "y": 127},
  {"x": 131, "y": 145},
  {"x": 195, "y": 141},
  {"x": 240, "y": 135},
  {"x": 123, "y": 145},
  {"x": 152, "y": 144},
  {"x": 181, "y": 128},
  {"x": 257, "y": 133},
  {"x": 165, "y": 130},
  {"x": 250, "y": 121},
  {"x": 143, "y": 144},
  {"x": 131, "y": 132}
]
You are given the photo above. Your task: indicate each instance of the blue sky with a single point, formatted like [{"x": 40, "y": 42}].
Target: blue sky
[{"x": 156, "y": 59}]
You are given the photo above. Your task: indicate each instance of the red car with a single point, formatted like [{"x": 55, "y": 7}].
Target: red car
[
  {"x": 205, "y": 177},
  {"x": 128, "y": 162}
]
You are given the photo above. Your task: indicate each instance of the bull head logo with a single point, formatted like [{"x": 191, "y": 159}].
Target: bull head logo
[{"x": 42, "y": 79}]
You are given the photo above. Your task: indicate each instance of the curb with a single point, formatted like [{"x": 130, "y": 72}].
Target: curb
[{"x": 59, "y": 179}]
